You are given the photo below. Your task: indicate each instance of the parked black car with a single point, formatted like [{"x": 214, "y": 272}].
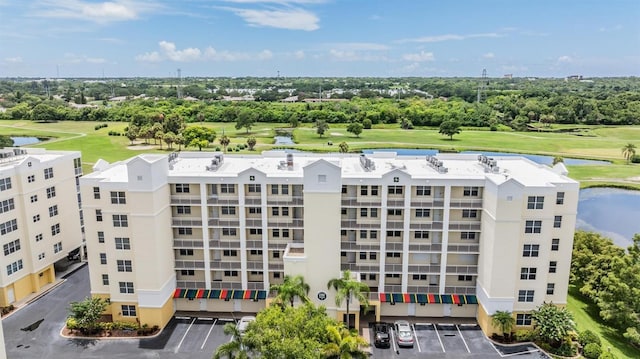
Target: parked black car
[{"x": 381, "y": 334}]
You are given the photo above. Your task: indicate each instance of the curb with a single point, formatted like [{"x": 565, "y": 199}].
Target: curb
[{"x": 137, "y": 337}]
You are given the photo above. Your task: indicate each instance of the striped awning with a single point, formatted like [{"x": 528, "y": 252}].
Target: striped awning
[
  {"x": 427, "y": 298},
  {"x": 224, "y": 294}
]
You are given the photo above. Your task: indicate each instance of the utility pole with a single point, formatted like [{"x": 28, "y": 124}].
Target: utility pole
[
  {"x": 179, "y": 87},
  {"x": 481, "y": 86}
]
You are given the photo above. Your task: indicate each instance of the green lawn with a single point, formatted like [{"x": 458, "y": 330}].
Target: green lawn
[{"x": 586, "y": 317}]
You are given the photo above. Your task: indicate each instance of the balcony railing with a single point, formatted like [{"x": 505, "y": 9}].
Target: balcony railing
[
  {"x": 395, "y": 224},
  {"x": 291, "y": 201},
  {"x": 459, "y": 290},
  {"x": 462, "y": 269},
  {"x": 189, "y": 284},
  {"x": 353, "y": 224},
  {"x": 428, "y": 203},
  {"x": 216, "y": 243},
  {"x": 254, "y": 243},
  {"x": 354, "y": 246},
  {"x": 225, "y": 284},
  {"x": 186, "y": 222},
  {"x": 252, "y": 201},
  {"x": 224, "y": 201},
  {"x": 465, "y": 203},
  {"x": 426, "y": 225},
  {"x": 465, "y": 248},
  {"x": 465, "y": 225},
  {"x": 422, "y": 289},
  {"x": 276, "y": 266},
  {"x": 397, "y": 268},
  {"x": 355, "y": 267},
  {"x": 291, "y": 223},
  {"x": 424, "y": 268},
  {"x": 353, "y": 202},
  {"x": 218, "y": 222},
  {"x": 225, "y": 265},
  {"x": 182, "y": 199},
  {"x": 395, "y": 202},
  {"x": 436, "y": 247},
  {"x": 183, "y": 264},
  {"x": 394, "y": 246},
  {"x": 254, "y": 265},
  {"x": 181, "y": 243}
]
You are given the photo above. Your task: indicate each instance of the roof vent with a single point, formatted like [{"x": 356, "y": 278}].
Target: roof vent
[
  {"x": 367, "y": 163},
  {"x": 489, "y": 164},
  {"x": 290, "y": 161},
  {"x": 436, "y": 164},
  {"x": 216, "y": 162}
]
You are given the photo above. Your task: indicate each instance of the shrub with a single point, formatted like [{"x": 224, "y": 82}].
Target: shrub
[
  {"x": 525, "y": 335},
  {"x": 125, "y": 325},
  {"x": 592, "y": 351},
  {"x": 606, "y": 355},
  {"x": 635, "y": 159},
  {"x": 588, "y": 337},
  {"x": 366, "y": 123},
  {"x": 567, "y": 349},
  {"x": 100, "y": 126},
  {"x": 632, "y": 336},
  {"x": 71, "y": 323}
]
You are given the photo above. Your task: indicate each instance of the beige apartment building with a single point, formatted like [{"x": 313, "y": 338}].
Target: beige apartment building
[
  {"x": 40, "y": 217},
  {"x": 446, "y": 236}
]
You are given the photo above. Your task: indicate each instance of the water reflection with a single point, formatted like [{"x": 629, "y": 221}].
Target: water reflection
[{"x": 612, "y": 212}]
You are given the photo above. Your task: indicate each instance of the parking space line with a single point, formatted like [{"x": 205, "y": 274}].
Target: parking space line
[
  {"x": 207, "y": 338},
  {"x": 416, "y": 336},
  {"x": 464, "y": 341},
  {"x": 184, "y": 336},
  {"x": 207, "y": 319},
  {"x": 440, "y": 340},
  {"x": 187, "y": 318},
  {"x": 393, "y": 341}
]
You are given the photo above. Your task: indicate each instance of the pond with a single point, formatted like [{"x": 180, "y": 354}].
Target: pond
[
  {"x": 545, "y": 160},
  {"x": 284, "y": 140},
  {"x": 612, "y": 212},
  {"x": 24, "y": 141}
]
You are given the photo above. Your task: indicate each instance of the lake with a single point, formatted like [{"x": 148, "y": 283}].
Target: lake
[
  {"x": 284, "y": 140},
  {"x": 612, "y": 212},
  {"x": 24, "y": 141}
]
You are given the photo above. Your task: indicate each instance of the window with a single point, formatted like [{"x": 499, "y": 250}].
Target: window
[
  {"x": 228, "y": 210},
  {"x": 57, "y": 247},
  {"x": 187, "y": 272},
  {"x": 470, "y": 191},
  {"x": 7, "y": 205},
  {"x": 53, "y": 210},
  {"x": 322, "y": 178},
  {"x": 284, "y": 189},
  {"x": 274, "y": 189},
  {"x": 363, "y": 255},
  {"x": 395, "y": 190},
  {"x": 393, "y": 254},
  {"x": 229, "y": 232},
  {"x": 255, "y": 210},
  {"x": 123, "y": 243},
  {"x": 465, "y": 278},
  {"x": 363, "y": 276},
  {"x": 100, "y": 237},
  {"x": 525, "y": 295},
  {"x": 36, "y": 218},
  {"x": 11, "y": 247},
  {"x": 553, "y": 266},
  {"x": 118, "y": 198},
  {"x": 423, "y": 191},
  {"x": 530, "y": 250},
  {"x": 128, "y": 310},
  {"x": 373, "y": 277},
  {"x": 344, "y": 189},
  {"x": 392, "y": 275},
  {"x": 227, "y": 188},
  {"x": 528, "y": 273},
  {"x": 231, "y": 273},
  {"x": 253, "y": 188},
  {"x": 48, "y": 173},
  {"x": 419, "y": 277},
  {"x": 186, "y": 252},
  {"x": 551, "y": 287},
  {"x": 535, "y": 202},
  {"x": 373, "y": 235},
  {"x": 34, "y": 198},
  {"x": 120, "y": 220},
  {"x": 421, "y": 235},
  {"x": 275, "y": 233},
  {"x": 374, "y": 213},
  {"x": 230, "y": 253},
  {"x": 363, "y": 212},
  {"x": 185, "y": 231},
  {"x": 394, "y": 234},
  {"x": 31, "y": 178},
  {"x": 41, "y": 256},
  {"x": 285, "y": 233},
  {"x": 5, "y": 184},
  {"x": 557, "y": 221},
  {"x": 182, "y": 188},
  {"x": 533, "y": 226},
  {"x": 363, "y": 234},
  {"x": 105, "y": 279},
  {"x": 8, "y": 226},
  {"x": 103, "y": 258},
  {"x": 394, "y": 212},
  {"x": 96, "y": 192},
  {"x": 374, "y": 190},
  {"x": 14, "y": 267},
  {"x": 343, "y": 211},
  {"x": 469, "y": 213},
  {"x": 256, "y": 252},
  {"x": 276, "y": 275},
  {"x": 560, "y": 198},
  {"x": 373, "y": 255},
  {"x": 276, "y": 254},
  {"x": 364, "y": 190},
  {"x": 126, "y": 288},
  {"x": 51, "y": 192},
  {"x": 255, "y": 231},
  {"x": 555, "y": 244},
  {"x": 468, "y": 235},
  {"x": 523, "y": 319},
  {"x": 183, "y": 209},
  {"x": 124, "y": 265},
  {"x": 38, "y": 237},
  {"x": 275, "y": 211},
  {"x": 285, "y": 211},
  {"x": 423, "y": 212}
]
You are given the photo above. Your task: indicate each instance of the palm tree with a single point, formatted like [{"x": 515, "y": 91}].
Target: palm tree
[
  {"x": 504, "y": 320},
  {"x": 344, "y": 343},
  {"x": 346, "y": 288},
  {"x": 234, "y": 348},
  {"x": 629, "y": 151},
  {"x": 291, "y": 288},
  {"x": 224, "y": 141}
]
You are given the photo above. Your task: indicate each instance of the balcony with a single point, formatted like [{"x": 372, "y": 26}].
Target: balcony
[
  {"x": 218, "y": 222},
  {"x": 423, "y": 289},
  {"x": 428, "y": 203},
  {"x": 226, "y": 284},
  {"x": 254, "y": 244},
  {"x": 276, "y": 266},
  {"x": 292, "y": 201},
  {"x": 225, "y": 265},
  {"x": 185, "y": 199},
  {"x": 223, "y": 201},
  {"x": 465, "y": 203},
  {"x": 394, "y": 246},
  {"x": 464, "y": 226},
  {"x": 391, "y": 202},
  {"x": 395, "y": 224},
  {"x": 277, "y": 244},
  {"x": 216, "y": 243},
  {"x": 437, "y": 247},
  {"x": 189, "y": 284},
  {"x": 182, "y": 243},
  {"x": 462, "y": 269},
  {"x": 355, "y": 246},
  {"x": 252, "y": 265},
  {"x": 426, "y": 225},
  {"x": 392, "y": 288},
  {"x": 464, "y": 248},
  {"x": 353, "y": 202},
  {"x": 354, "y": 224},
  {"x": 186, "y": 222},
  {"x": 424, "y": 268},
  {"x": 290, "y": 223},
  {"x": 460, "y": 290},
  {"x": 184, "y": 264},
  {"x": 355, "y": 267},
  {"x": 397, "y": 268}
]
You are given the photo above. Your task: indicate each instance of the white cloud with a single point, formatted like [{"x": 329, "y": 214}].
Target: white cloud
[
  {"x": 299, "y": 54},
  {"x": 422, "y": 56},
  {"x": 348, "y": 55},
  {"x": 265, "y": 55},
  {"x": 450, "y": 37},
  {"x": 77, "y": 59},
  {"x": 13, "y": 60},
  {"x": 281, "y": 2},
  {"x": 112, "y": 40},
  {"x": 288, "y": 18},
  {"x": 100, "y": 12},
  {"x": 359, "y": 46},
  {"x": 169, "y": 52},
  {"x": 149, "y": 57},
  {"x": 186, "y": 55},
  {"x": 565, "y": 59},
  {"x": 489, "y": 55},
  {"x": 610, "y": 29}
]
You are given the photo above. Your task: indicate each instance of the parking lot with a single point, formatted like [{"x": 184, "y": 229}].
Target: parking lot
[{"x": 443, "y": 340}]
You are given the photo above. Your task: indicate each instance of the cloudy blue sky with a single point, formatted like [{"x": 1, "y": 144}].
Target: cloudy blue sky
[{"x": 547, "y": 38}]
